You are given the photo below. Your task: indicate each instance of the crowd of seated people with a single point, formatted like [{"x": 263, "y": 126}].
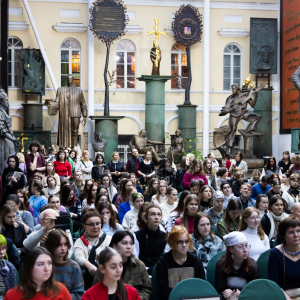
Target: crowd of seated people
[{"x": 108, "y": 228}]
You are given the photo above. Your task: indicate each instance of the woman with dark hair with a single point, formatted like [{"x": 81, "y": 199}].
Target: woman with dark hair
[
  {"x": 284, "y": 259},
  {"x": 111, "y": 285},
  {"x": 271, "y": 167},
  {"x": 135, "y": 183},
  {"x": 262, "y": 204},
  {"x": 194, "y": 173},
  {"x": 275, "y": 189},
  {"x": 12, "y": 178},
  {"x": 180, "y": 173},
  {"x": 89, "y": 202},
  {"x": 285, "y": 163},
  {"x": 131, "y": 216},
  {"x": 222, "y": 176},
  {"x": 206, "y": 198},
  {"x": 151, "y": 190},
  {"x": 103, "y": 197},
  {"x": 24, "y": 203},
  {"x": 99, "y": 167},
  {"x": 177, "y": 212},
  {"x": 105, "y": 180},
  {"x": 116, "y": 167},
  {"x": 108, "y": 218},
  {"x": 123, "y": 196},
  {"x": 235, "y": 269},
  {"x": 73, "y": 158},
  {"x": 38, "y": 281},
  {"x": 50, "y": 171},
  {"x": 191, "y": 207},
  {"x": 206, "y": 243},
  {"x": 270, "y": 221},
  {"x": 134, "y": 271},
  {"x": 85, "y": 190},
  {"x": 178, "y": 258},
  {"x": 162, "y": 171},
  {"x": 209, "y": 170},
  {"x": 238, "y": 162},
  {"x": 285, "y": 183},
  {"x": 38, "y": 200},
  {"x": 67, "y": 271},
  {"x": 52, "y": 187},
  {"x": 62, "y": 166},
  {"x": 231, "y": 220},
  {"x": 146, "y": 168}
]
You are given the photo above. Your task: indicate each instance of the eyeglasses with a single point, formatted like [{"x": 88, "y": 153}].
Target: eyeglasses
[
  {"x": 93, "y": 225},
  {"x": 242, "y": 247},
  {"x": 181, "y": 243}
]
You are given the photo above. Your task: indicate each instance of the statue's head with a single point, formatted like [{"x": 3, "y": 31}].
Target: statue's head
[
  {"x": 3, "y": 99},
  {"x": 266, "y": 54},
  {"x": 70, "y": 79},
  {"x": 235, "y": 88},
  {"x": 98, "y": 136},
  {"x": 178, "y": 132},
  {"x": 143, "y": 133}
]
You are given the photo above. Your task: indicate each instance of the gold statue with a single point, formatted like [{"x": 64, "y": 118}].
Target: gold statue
[
  {"x": 155, "y": 53},
  {"x": 22, "y": 139}
]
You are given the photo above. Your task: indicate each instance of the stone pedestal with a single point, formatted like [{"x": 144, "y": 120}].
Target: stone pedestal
[
  {"x": 155, "y": 106},
  {"x": 187, "y": 122},
  {"x": 108, "y": 125},
  {"x": 262, "y": 145},
  {"x": 33, "y": 115}
]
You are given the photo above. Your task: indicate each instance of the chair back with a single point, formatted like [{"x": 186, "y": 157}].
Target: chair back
[
  {"x": 211, "y": 267},
  {"x": 154, "y": 295},
  {"x": 262, "y": 263},
  {"x": 192, "y": 288},
  {"x": 262, "y": 289}
]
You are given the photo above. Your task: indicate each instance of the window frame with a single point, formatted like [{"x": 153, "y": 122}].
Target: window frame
[
  {"x": 232, "y": 54},
  {"x": 125, "y": 65},
  {"x": 70, "y": 57},
  {"x": 12, "y": 48},
  {"x": 179, "y": 52}
]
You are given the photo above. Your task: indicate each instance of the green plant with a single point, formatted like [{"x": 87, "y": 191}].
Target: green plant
[{"x": 190, "y": 147}]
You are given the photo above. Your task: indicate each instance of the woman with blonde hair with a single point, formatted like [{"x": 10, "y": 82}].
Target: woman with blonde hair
[
  {"x": 161, "y": 193},
  {"x": 78, "y": 183},
  {"x": 22, "y": 164},
  {"x": 250, "y": 226},
  {"x": 116, "y": 167},
  {"x": 195, "y": 172},
  {"x": 178, "y": 257},
  {"x": 209, "y": 170},
  {"x": 255, "y": 178},
  {"x": 50, "y": 171},
  {"x": 85, "y": 165}
]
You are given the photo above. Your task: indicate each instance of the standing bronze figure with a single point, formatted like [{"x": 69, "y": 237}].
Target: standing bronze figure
[
  {"x": 71, "y": 105},
  {"x": 177, "y": 146},
  {"x": 140, "y": 142}
]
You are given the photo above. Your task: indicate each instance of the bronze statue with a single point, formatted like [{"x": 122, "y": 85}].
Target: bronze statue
[
  {"x": 100, "y": 143},
  {"x": 155, "y": 53},
  {"x": 71, "y": 105},
  {"x": 236, "y": 106},
  {"x": 140, "y": 142},
  {"x": 177, "y": 146}
]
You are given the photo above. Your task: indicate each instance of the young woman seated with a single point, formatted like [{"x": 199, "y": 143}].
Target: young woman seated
[
  {"x": 99, "y": 167},
  {"x": 191, "y": 207},
  {"x": 134, "y": 270},
  {"x": 38, "y": 281},
  {"x": 275, "y": 190},
  {"x": 50, "y": 171},
  {"x": 210, "y": 170},
  {"x": 206, "y": 198},
  {"x": 89, "y": 202},
  {"x": 67, "y": 271},
  {"x": 262, "y": 204},
  {"x": 52, "y": 187},
  {"x": 194, "y": 187},
  {"x": 151, "y": 189},
  {"x": 111, "y": 285},
  {"x": 206, "y": 243},
  {"x": 235, "y": 269},
  {"x": 255, "y": 178},
  {"x": 178, "y": 258},
  {"x": 128, "y": 205},
  {"x": 222, "y": 176},
  {"x": 169, "y": 205},
  {"x": 250, "y": 226},
  {"x": 231, "y": 220},
  {"x": 131, "y": 216},
  {"x": 161, "y": 194},
  {"x": 122, "y": 197},
  {"x": 108, "y": 218},
  {"x": 103, "y": 197},
  {"x": 62, "y": 166},
  {"x": 194, "y": 173},
  {"x": 24, "y": 203}
]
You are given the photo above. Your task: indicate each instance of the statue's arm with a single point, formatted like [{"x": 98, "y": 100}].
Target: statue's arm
[
  {"x": 54, "y": 106},
  {"x": 82, "y": 105},
  {"x": 253, "y": 99},
  {"x": 131, "y": 143},
  {"x": 155, "y": 142},
  {"x": 295, "y": 78}
]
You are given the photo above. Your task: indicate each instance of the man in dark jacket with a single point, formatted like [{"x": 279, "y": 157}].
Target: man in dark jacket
[{"x": 133, "y": 162}]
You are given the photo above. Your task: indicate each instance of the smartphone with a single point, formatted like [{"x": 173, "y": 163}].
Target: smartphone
[
  {"x": 17, "y": 214},
  {"x": 62, "y": 222}
]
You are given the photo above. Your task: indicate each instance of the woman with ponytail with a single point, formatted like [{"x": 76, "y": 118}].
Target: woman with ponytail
[{"x": 111, "y": 285}]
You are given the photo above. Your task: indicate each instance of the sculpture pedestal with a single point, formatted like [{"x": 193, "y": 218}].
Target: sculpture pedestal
[
  {"x": 108, "y": 125},
  {"x": 187, "y": 122},
  {"x": 262, "y": 145},
  {"x": 33, "y": 115},
  {"x": 155, "y": 106}
]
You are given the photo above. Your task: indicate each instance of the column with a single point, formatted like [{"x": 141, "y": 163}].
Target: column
[
  {"x": 91, "y": 85},
  {"x": 206, "y": 47}
]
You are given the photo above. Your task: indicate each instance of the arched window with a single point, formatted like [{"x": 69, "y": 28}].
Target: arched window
[
  {"x": 70, "y": 61},
  {"x": 125, "y": 65},
  {"x": 14, "y": 61},
  {"x": 179, "y": 66},
  {"x": 232, "y": 66}
]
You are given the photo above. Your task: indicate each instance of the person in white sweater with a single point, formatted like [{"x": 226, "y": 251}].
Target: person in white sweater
[
  {"x": 250, "y": 226},
  {"x": 131, "y": 216},
  {"x": 169, "y": 205},
  {"x": 85, "y": 165}
]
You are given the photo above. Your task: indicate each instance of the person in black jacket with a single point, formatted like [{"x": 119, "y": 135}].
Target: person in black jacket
[
  {"x": 11, "y": 181},
  {"x": 236, "y": 187},
  {"x": 99, "y": 167},
  {"x": 275, "y": 190},
  {"x": 180, "y": 173},
  {"x": 115, "y": 167},
  {"x": 177, "y": 258},
  {"x": 151, "y": 240},
  {"x": 11, "y": 254}
]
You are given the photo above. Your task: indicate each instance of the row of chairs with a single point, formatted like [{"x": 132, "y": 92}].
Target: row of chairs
[{"x": 194, "y": 287}]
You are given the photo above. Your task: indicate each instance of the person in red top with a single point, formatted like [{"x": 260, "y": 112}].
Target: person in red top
[
  {"x": 35, "y": 162},
  {"x": 191, "y": 207},
  {"x": 37, "y": 281},
  {"x": 111, "y": 285},
  {"x": 228, "y": 162},
  {"x": 61, "y": 165},
  {"x": 194, "y": 173}
]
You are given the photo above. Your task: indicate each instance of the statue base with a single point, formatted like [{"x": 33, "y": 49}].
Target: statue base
[
  {"x": 155, "y": 105},
  {"x": 187, "y": 122},
  {"x": 108, "y": 125},
  {"x": 33, "y": 116}
]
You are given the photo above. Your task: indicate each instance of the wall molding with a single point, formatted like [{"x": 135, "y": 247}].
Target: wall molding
[
  {"x": 70, "y": 27},
  {"x": 133, "y": 29},
  {"x": 237, "y": 33},
  {"x": 19, "y": 26},
  {"x": 169, "y": 121}
]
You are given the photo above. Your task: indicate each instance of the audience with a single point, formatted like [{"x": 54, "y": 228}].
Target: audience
[
  {"x": 161, "y": 193},
  {"x": 194, "y": 172},
  {"x": 261, "y": 188},
  {"x": 206, "y": 198},
  {"x": 169, "y": 205},
  {"x": 62, "y": 166},
  {"x": 244, "y": 198},
  {"x": 85, "y": 165},
  {"x": 131, "y": 216},
  {"x": 271, "y": 168},
  {"x": 153, "y": 186},
  {"x": 238, "y": 162},
  {"x": 128, "y": 205},
  {"x": 89, "y": 202},
  {"x": 262, "y": 204},
  {"x": 275, "y": 189},
  {"x": 227, "y": 191},
  {"x": 255, "y": 177},
  {"x": 209, "y": 170},
  {"x": 292, "y": 194}
]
